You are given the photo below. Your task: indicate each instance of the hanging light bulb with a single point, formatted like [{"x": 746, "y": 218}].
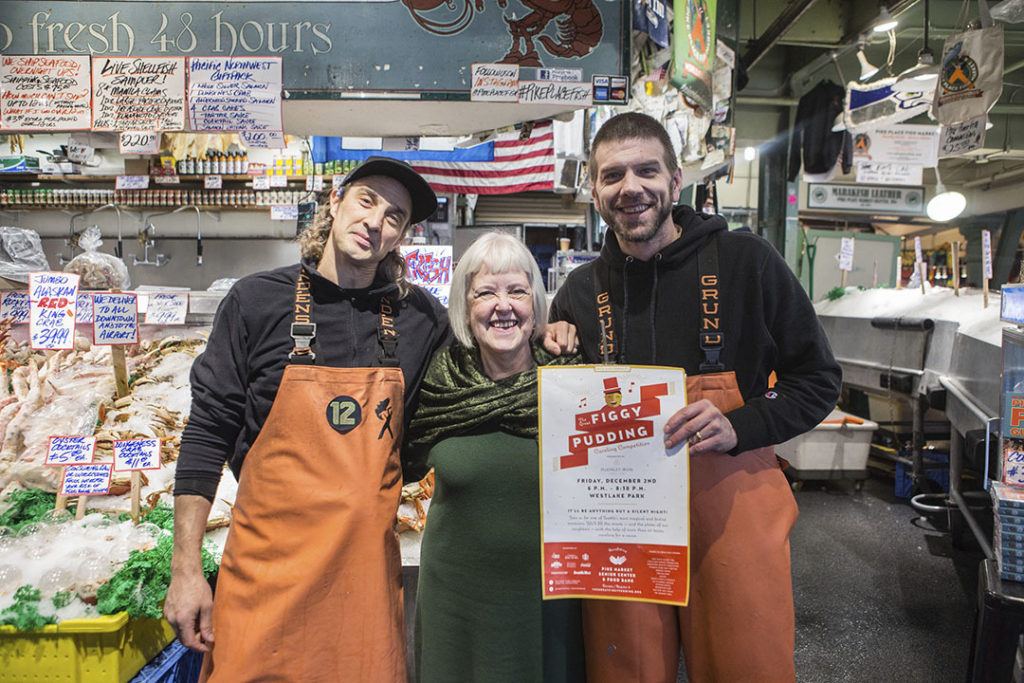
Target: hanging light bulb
[
  {"x": 867, "y": 69},
  {"x": 885, "y": 22},
  {"x": 946, "y": 204},
  {"x": 749, "y": 153}
]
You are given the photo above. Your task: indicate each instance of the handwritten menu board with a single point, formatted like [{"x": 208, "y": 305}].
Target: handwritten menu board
[
  {"x": 83, "y": 309},
  {"x": 86, "y": 480},
  {"x": 14, "y": 307},
  {"x": 234, "y": 93},
  {"x": 52, "y": 299},
  {"x": 167, "y": 308},
  {"x": 138, "y": 93},
  {"x": 115, "y": 318},
  {"x": 45, "y": 92},
  {"x": 137, "y": 454},
  {"x": 70, "y": 450}
]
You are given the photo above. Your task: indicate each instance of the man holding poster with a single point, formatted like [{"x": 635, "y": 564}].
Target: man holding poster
[{"x": 673, "y": 288}]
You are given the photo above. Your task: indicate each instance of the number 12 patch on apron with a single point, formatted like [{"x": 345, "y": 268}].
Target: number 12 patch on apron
[{"x": 344, "y": 414}]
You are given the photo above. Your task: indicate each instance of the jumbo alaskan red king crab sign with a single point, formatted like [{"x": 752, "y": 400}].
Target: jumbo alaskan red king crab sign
[{"x": 615, "y": 502}]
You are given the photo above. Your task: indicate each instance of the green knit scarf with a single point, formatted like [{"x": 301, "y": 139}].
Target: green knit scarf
[{"x": 457, "y": 397}]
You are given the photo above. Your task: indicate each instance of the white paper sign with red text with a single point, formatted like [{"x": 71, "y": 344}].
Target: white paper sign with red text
[
  {"x": 614, "y": 500},
  {"x": 52, "y": 301}
]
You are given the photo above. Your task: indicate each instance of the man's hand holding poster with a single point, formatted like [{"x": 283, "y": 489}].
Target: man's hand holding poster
[{"x": 615, "y": 502}]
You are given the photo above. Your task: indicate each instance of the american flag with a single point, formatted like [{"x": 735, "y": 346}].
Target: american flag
[{"x": 523, "y": 160}]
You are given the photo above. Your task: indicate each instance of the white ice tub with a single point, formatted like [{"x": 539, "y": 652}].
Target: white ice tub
[{"x": 835, "y": 449}]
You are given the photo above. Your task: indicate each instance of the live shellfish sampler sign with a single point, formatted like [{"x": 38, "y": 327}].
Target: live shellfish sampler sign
[{"x": 614, "y": 500}]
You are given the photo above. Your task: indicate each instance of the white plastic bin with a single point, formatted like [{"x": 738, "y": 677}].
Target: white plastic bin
[{"x": 835, "y": 449}]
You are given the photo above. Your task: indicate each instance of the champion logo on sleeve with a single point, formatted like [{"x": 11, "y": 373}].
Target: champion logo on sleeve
[{"x": 771, "y": 395}]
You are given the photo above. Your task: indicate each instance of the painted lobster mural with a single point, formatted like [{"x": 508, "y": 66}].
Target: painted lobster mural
[{"x": 578, "y": 23}]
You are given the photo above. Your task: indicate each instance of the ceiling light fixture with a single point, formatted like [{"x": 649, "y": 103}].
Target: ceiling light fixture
[
  {"x": 924, "y": 75},
  {"x": 749, "y": 153},
  {"x": 885, "y": 22},
  {"x": 946, "y": 204},
  {"x": 867, "y": 69}
]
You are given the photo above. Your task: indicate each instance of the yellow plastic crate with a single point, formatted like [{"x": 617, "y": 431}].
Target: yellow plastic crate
[{"x": 108, "y": 649}]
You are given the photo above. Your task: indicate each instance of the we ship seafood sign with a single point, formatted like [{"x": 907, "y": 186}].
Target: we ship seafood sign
[{"x": 614, "y": 500}]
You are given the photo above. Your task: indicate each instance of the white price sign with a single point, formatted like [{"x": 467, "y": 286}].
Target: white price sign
[
  {"x": 132, "y": 182},
  {"x": 14, "y": 307},
  {"x": 136, "y": 454},
  {"x": 83, "y": 308},
  {"x": 314, "y": 183},
  {"x": 284, "y": 212},
  {"x": 137, "y": 142},
  {"x": 986, "y": 253},
  {"x": 264, "y": 139},
  {"x": 279, "y": 181},
  {"x": 167, "y": 308},
  {"x": 960, "y": 138},
  {"x": 846, "y": 254},
  {"x": 70, "y": 450},
  {"x": 213, "y": 182},
  {"x": 52, "y": 301},
  {"x": 261, "y": 182}
]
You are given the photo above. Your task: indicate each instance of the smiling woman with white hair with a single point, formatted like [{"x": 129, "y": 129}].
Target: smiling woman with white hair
[{"x": 479, "y": 614}]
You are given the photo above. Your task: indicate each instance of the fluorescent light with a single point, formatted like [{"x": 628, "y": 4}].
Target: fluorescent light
[
  {"x": 749, "y": 153},
  {"x": 885, "y": 22}
]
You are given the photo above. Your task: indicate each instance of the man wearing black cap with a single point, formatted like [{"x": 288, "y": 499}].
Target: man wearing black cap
[{"x": 303, "y": 366}]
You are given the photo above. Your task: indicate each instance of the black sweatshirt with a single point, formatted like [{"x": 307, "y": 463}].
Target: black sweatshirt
[
  {"x": 235, "y": 381},
  {"x": 812, "y": 131},
  {"x": 767, "y": 321}
]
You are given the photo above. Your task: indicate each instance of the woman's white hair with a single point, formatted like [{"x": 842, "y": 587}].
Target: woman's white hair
[{"x": 497, "y": 253}]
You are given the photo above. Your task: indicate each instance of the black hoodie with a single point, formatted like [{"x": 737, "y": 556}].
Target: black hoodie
[{"x": 767, "y": 321}]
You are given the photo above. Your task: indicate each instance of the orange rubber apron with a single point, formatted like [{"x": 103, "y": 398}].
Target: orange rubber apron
[
  {"x": 739, "y": 623},
  {"x": 310, "y": 585}
]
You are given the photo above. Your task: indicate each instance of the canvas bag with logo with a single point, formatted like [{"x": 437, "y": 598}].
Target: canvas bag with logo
[{"x": 971, "y": 71}]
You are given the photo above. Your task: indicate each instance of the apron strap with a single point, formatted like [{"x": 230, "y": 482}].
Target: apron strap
[
  {"x": 303, "y": 328},
  {"x": 711, "y": 338},
  {"x": 607, "y": 347},
  {"x": 387, "y": 335}
]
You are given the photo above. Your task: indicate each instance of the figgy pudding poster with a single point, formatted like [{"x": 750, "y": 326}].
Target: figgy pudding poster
[{"x": 614, "y": 501}]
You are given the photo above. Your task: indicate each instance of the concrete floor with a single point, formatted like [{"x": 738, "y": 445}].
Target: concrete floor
[{"x": 880, "y": 594}]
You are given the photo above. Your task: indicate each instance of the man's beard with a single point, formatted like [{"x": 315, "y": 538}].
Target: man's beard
[{"x": 640, "y": 232}]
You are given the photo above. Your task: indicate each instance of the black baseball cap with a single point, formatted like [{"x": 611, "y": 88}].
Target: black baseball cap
[{"x": 424, "y": 201}]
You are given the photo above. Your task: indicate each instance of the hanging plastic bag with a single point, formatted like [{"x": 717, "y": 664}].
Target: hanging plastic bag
[
  {"x": 96, "y": 270},
  {"x": 21, "y": 253},
  {"x": 971, "y": 71}
]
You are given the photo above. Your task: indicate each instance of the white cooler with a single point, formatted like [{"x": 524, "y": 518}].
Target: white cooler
[{"x": 835, "y": 449}]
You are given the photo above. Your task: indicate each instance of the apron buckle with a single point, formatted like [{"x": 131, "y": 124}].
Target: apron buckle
[{"x": 304, "y": 335}]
